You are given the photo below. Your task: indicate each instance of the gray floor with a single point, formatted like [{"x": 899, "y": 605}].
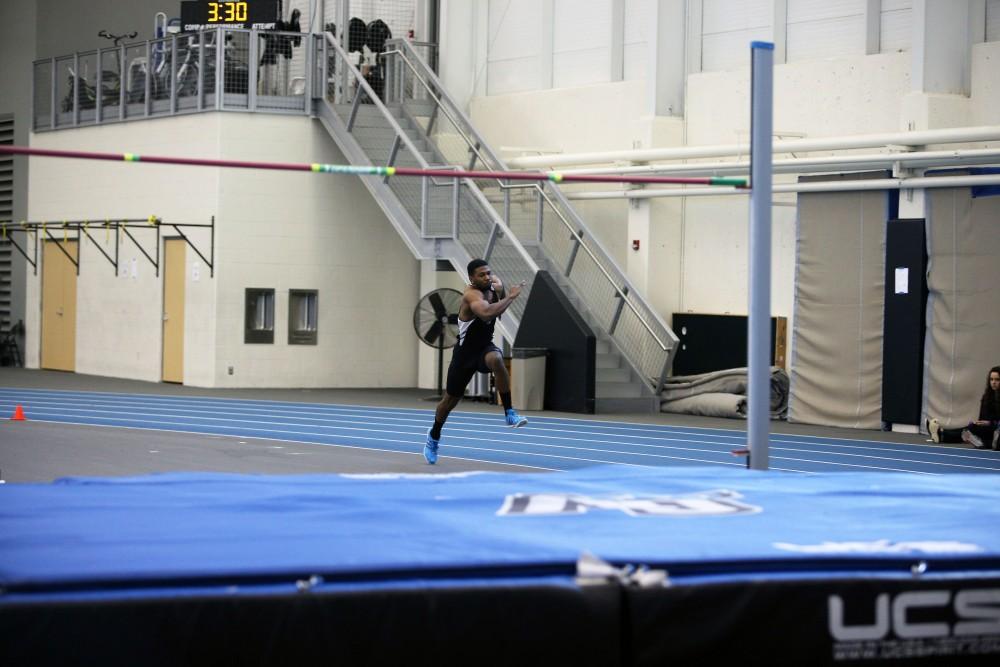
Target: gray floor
[{"x": 33, "y": 451}]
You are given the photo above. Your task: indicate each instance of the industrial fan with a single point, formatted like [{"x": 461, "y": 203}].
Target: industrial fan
[{"x": 435, "y": 319}]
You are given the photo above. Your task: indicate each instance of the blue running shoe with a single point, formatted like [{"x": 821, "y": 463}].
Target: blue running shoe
[
  {"x": 431, "y": 449},
  {"x": 515, "y": 420}
]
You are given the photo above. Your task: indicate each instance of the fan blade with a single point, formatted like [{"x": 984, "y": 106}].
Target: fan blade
[
  {"x": 434, "y": 333},
  {"x": 438, "y": 305}
]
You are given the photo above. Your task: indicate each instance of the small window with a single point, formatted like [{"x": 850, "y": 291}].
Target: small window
[
  {"x": 302, "y": 316},
  {"x": 260, "y": 316}
]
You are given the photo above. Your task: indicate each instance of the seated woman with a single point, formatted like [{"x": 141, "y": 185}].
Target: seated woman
[{"x": 983, "y": 432}]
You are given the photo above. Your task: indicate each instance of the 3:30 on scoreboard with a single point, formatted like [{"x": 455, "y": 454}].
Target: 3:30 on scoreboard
[{"x": 249, "y": 14}]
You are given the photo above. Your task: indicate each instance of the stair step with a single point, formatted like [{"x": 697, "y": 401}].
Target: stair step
[
  {"x": 618, "y": 390},
  {"x": 641, "y": 405},
  {"x": 613, "y": 375},
  {"x": 609, "y": 360}
]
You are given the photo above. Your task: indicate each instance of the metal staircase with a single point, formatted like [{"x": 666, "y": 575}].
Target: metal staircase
[{"x": 519, "y": 228}]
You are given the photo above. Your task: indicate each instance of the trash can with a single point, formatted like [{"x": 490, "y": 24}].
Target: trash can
[{"x": 527, "y": 377}]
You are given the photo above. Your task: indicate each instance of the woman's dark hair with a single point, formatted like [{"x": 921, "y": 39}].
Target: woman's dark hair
[{"x": 991, "y": 399}]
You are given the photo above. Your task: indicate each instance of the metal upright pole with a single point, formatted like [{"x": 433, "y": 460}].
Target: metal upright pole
[{"x": 759, "y": 333}]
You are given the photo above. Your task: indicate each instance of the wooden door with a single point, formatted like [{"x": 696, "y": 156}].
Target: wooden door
[
  {"x": 59, "y": 305},
  {"x": 173, "y": 310}
]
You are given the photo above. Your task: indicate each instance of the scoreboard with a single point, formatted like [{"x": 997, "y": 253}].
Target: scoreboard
[{"x": 250, "y": 14}]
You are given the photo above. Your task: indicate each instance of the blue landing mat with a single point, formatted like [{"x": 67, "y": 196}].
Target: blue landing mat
[{"x": 177, "y": 531}]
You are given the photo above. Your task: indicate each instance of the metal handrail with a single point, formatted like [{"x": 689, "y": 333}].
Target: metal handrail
[
  {"x": 621, "y": 293},
  {"x": 496, "y": 219},
  {"x": 375, "y": 99},
  {"x": 472, "y": 145},
  {"x": 498, "y": 162},
  {"x": 451, "y": 102}
]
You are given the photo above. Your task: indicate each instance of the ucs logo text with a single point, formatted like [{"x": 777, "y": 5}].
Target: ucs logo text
[{"x": 977, "y": 611}]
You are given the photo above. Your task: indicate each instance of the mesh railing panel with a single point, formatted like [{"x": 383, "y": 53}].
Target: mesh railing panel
[
  {"x": 595, "y": 270},
  {"x": 64, "y": 78},
  {"x": 136, "y": 73},
  {"x": 174, "y": 74},
  {"x": 111, "y": 78},
  {"x": 208, "y": 61},
  {"x": 440, "y": 208},
  {"x": 42, "y": 103},
  {"x": 236, "y": 69},
  {"x": 281, "y": 82},
  {"x": 76, "y": 91},
  {"x": 187, "y": 71}
]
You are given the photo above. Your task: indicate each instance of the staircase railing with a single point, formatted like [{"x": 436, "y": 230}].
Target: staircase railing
[
  {"x": 444, "y": 207},
  {"x": 539, "y": 212}
]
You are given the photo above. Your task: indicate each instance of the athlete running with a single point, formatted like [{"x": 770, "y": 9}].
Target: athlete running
[{"x": 483, "y": 302}]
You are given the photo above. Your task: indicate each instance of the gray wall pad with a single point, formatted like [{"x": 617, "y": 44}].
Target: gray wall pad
[
  {"x": 836, "y": 368},
  {"x": 963, "y": 304}
]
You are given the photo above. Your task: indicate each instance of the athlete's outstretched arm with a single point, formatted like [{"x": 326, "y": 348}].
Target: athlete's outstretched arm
[{"x": 485, "y": 310}]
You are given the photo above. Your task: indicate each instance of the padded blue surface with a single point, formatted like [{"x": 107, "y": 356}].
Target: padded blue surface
[{"x": 177, "y": 530}]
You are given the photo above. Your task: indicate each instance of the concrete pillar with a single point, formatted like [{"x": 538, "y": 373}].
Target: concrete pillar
[
  {"x": 463, "y": 40},
  {"x": 665, "y": 73},
  {"x": 941, "y": 47}
]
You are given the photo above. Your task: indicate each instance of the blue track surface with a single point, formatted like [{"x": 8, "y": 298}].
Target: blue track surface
[{"x": 546, "y": 443}]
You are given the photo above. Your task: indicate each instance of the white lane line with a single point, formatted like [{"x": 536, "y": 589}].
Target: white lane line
[
  {"x": 876, "y": 446},
  {"x": 367, "y": 448},
  {"x": 263, "y": 424},
  {"x": 259, "y": 424},
  {"x": 379, "y": 412},
  {"x": 856, "y": 465},
  {"x": 255, "y": 432},
  {"x": 598, "y": 423},
  {"x": 409, "y": 414}
]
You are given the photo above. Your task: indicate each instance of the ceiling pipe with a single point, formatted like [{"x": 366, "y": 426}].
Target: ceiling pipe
[
  {"x": 915, "y": 160},
  {"x": 956, "y": 135},
  {"x": 825, "y": 186}
]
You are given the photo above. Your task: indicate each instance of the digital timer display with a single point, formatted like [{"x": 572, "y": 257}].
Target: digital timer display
[
  {"x": 227, "y": 12},
  {"x": 250, "y": 15}
]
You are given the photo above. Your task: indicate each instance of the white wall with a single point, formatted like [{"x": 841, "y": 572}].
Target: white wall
[
  {"x": 119, "y": 318},
  {"x": 324, "y": 232},
  {"x": 984, "y": 98},
  {"x": 462, "y": 62},
  {"x": 716, "y": 256},
  {"x": 841, "y": 96},
  {"x": 824, "y": 98},
  {"x": 273, "y": 229},
  {"x": 586, "y": 118}
]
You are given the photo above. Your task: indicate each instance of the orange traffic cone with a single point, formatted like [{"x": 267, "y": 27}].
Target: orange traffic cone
[{"x": 18, "y": 414}]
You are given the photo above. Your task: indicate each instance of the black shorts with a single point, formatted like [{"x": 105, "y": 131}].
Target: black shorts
[{"x": 464, "y": 365}]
